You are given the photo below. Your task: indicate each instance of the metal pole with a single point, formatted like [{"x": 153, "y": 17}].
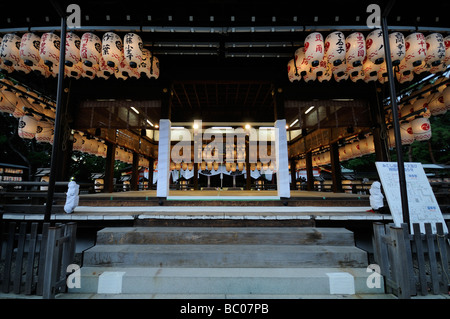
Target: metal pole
[
  {"x": 398, "y": 141},
  {"x": 58, "y": 116}
]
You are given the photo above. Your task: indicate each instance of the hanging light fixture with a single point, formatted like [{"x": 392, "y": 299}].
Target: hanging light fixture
[
  {"x": 44, "y": 131},
  {"x": 421, "y": 128},
  {"x": 112, "y": 49},
  {"x": 406, "y": 133},
  {"x": 375, "y": 46},
  {"x": 416, "y": 49},
  {"x": 291, "y": 72},
  {"x": 397, "y": 46},
  {"x": 72, "y": 49},
  {"x": 154, "y": 69},
  {"x": 314, "y": 49},
  {"x": 144, "y": 67},
  {"x": 49, "y": 48},
  {"x": 302, "y": 65},
  {"x": 9, "y": 49},
  {"x": 327, "y": 75},
  {"x": 29, "y": 48},
  {"x": 335, "y": 48},
  {"x": 436, "y": 103},
  {"x": 8, "y": 101},
  {"x": 91, "y": 49},
  {"x": 435, "y": 49},
  {"x": 27, "y": 127},
  {"x": 77, "y": 142},
  {"x": 355, "y": 47},
  {"x": 421, "y": 105},
  {"x": 132, "y": 49}
]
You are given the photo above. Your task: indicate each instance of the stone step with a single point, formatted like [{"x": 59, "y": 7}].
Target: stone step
[
  {"x": 284, "y": 282},
  {"x": 245, "y": 256},
  {"x": 225, "y": 235}
]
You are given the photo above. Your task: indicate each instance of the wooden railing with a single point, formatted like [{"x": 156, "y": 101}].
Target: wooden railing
[
  {"x": 36, "y": 257},
  {"x": 412, "y": 263}
]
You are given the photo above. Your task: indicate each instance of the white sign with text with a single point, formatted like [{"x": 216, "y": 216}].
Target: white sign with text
[{"x": 423, "y": 206}]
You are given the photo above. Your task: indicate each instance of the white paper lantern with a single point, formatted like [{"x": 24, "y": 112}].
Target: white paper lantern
[
  {"x": 405, "y": 110},
  {"x": 356, "y": 150},
  {"x": 327, "y": 75},
  {"x": 382, "y": 73},
  {"x": 447, "y": 50},
  {"x": 353, "y": 70},
  {"x": 357, "y": 76},
  {"x": 73, "y": 43},
  {"x": 355, "y": 47},
  {"x": 320, "y": 69},
  {"x": 436, "y": 104},
  {"x": 89, "y": 71},
  {"x": 8, "y": 101},
  {"x": 397, "y": 46},
  {"x": 44, "y": 131},
  {"x": 416, "y": 49},
  {"x": 112, "y": 49},
  {"x": 370, "y": 144},
  {"x": 370, "y": 68},
  {"x": 406, "y": 133},
  {"x": 391, "y": 137},
  {"x": 401, "y": 78},
  {"x": 339, "y": 70},
  {"x": 375, "y": 46},
  {"x": 104, "y": 71},
  {"x": 91, "y": 49},
  {"x": 49, "y": 48},
  {"x": 9, "y": 49},
  {"x": 41, "y": 69},
  {"x": 27, "y": 127},
  {"x": 144, "y": 67},
  {"x": 29, "y": 48},
  {"x": 309, "y": 76},
  {"x": 405, "y": 68},
  {"x": 421, "y": 105},
  {"x": 441, "y": 67},
  {"x": 120, "y": 71},
  {"x": 421, "y": 129},
  {"x": 341, "y": 78},
  {"x": 446, "y": 97},
  {"x": 75, "y": 71},
  {"x": 132, "y": 49},
  {"x": 435, "y": 49},
  {"x": 314, "y": 49},
  {"x": 363, "y": 147},
  {"x": 302, "y": 65},
  {"x": 291, "y": 72},
  {"x": 22, "y": 104},
  {"x": 335, "y": 48}
]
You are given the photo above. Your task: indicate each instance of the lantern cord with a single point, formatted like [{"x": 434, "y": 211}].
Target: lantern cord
[{"x": 295, "y": 63}]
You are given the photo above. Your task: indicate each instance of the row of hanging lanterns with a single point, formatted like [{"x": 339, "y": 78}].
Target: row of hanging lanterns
[
  {"x": 363, "y": 58},
  {"x": 92, "y": 146},
  {"x": 229, "y": 166},
  {"x": 87, "y": 57}
]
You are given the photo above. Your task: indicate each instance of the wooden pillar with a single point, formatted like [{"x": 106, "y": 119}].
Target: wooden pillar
[
  {"x": 293, "y": 178},
  {"x": 335, "y": 168},
  {"x": 134, "y": 182},
  {"x": 309, "y": 172},
  {"x": 109, "y": 168},
  {"x": 377, "y": 114},
  {"x": 278, "y": 96}
]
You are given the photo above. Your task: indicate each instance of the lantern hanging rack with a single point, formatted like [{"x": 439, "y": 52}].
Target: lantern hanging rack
[
  {"x": 425, "y": 91},
  {"x": 39, "y": 98}
]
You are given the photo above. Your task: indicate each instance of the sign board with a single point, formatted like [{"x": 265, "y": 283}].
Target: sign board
[{"x": 423, "y": 206}]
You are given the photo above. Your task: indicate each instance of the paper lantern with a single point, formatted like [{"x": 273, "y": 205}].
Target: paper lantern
[
  {"x": 357, "y": 76},
  {"x": 41, "y": 69},
  {"x": 421, "y": 129},
  {"x": 353, "y": 70},
  {"x": 339, "y": 70},
  {"x": 363, "y": 147},
  {"x": 132, "y": 49},
  {"x": 9, "y": 49},
  {"x": 405, "y": 110},
  {"x": 320, "y": 69},
  {"x": 49, "y": 48},
  {"x": 104, "y": 71},
  {"x": 120, "y": 71},
  {"x": 112, "y": 49},
  {"x": 406, "y": 133},
  {"x": 382, "y": 73},
  {"x": 447, "y": 50},
  {"x": 436, "y": 104},
  {"x": 342, "y": 153},
  {"x": 397, "y": 46},
  {"x": 335, "y": 48},
  {"x": 89, "y": 71},
  {"x": 44, "y": 131},
  {"x": 441, "y": 67},
  {"x": 402, "y": 78},
  {"x": 435, "y": 49},
  {"x": 356, "y": 151},
  {"x": 75, "y": 71},
  {"x": 327, "y": 75},
  {"x": 405, "y": 68},
  {"x": 216, "y": 166},
  {"x": 416, "y": 49},
  {"x": 172, "y": 166},
  {"x": 27, "y": 127},
  {"x": 370, "y": 144},
  {"x": 291, "y": 71},
  {"x": 22, "y": 104},
  {"x": 341, "y": 78},
  {"x": 132, "y": 73},
  {"x": 8, "y": 101},
  {"x": 301, "y": 63},
  {"x": 73, "y": 43},
  {"x": 375, "y": 46},
  {"x": 369, "y": 68},
  {"x": 391, "y": 137},
  {"x": 29, "y": 48},
  {"x": 314, "y": 49},
  {"x": 91, "y": 49},
  {"x": 446, "y": 97},
  {"x": 309, "y": 76},
  {"x": 144, "y": 67},
  {"x": 421, "y": 105},
  {"x": 77, "y": 142},
  {"x": 355, "y": 47}
]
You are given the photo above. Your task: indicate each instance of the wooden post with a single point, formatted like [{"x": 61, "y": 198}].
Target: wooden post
[
  {"x": 151, "y": 162},
  {"x": 432, "y": 258},
  {"x": 400, "y": 263},
  {"x": 109, "y": 168},
  {"x": 420, "y": 259},
  {"x": 293, "y": 175},
  {"x": 134, "y": 182},
  {"x": 50, "y": 265},
  {"x": 30, "y": 260},
  {"x": 335, "y": 168},
  {"x": 309, "y": 172}
]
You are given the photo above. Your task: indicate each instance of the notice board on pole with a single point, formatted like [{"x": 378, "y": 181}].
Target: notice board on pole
[{"x": 423, "y": 206}]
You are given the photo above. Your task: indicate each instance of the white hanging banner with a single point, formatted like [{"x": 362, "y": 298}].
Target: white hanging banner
[{"x": 423, "y": 206}]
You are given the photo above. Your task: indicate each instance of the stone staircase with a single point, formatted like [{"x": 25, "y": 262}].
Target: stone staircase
[{"x": 211, "y": 262}]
